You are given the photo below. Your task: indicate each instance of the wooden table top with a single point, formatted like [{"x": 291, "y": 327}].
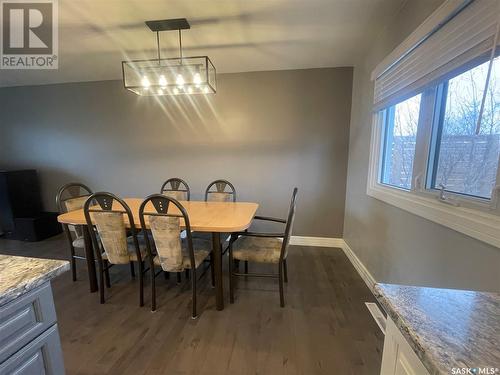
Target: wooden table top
[{"x": 203, "y": 216}]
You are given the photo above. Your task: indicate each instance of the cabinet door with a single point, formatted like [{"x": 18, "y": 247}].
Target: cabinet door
[
  {"x": 398, "y": 357},
  {"x": 43, "y": 356},
  {"x": 24, "y": 319},
  {"x": 405, "y": 365}
]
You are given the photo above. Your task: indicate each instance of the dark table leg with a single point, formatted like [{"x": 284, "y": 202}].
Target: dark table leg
[
  {"x": 89, "y": 255},
  {"x": 219, "y": 294}
]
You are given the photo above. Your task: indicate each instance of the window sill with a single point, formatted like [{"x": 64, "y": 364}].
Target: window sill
[{"x": 477, "y": 224}]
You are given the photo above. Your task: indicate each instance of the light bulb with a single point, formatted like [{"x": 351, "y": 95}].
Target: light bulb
[
  {"x": 160, "y": 91},
  {"x": 197, "y": 78},
  {"x": 206, "y": 90},
  {"x": 176, "y": 91},
  {"x": 145, "y": 82},
  {"x": 190, "y": 90},
  {"x": 162, "y": 81},
  {"x": 180, "y": 80}
]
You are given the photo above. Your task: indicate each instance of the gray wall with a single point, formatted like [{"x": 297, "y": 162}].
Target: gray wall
[
  {"x": 396, "y": 246},
  {"x": 266, "y": 132}
]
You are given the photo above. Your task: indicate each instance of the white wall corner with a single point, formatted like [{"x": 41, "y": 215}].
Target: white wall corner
[{"x": 360, "y": 267}]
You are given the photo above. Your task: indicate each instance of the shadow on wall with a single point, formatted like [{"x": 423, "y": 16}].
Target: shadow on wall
[
  {"x": 372, "y": 234},
  {"x": 260, "y": 131}
]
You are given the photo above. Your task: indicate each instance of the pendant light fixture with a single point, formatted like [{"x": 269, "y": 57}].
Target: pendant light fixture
[{"x": 170, "y": 76}]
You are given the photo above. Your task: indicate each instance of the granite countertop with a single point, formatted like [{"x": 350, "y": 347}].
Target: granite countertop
[
  {"x": 19, "y": 275},
  {"x": 446, "y": 328}
]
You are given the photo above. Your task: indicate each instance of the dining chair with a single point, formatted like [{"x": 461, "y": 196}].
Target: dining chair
[
  {"x": 176, "y": 188},
  {"x": 263, "y": 248},
  {"x": 219, "y": 191},
  {"x": 71, "y": 197},
  {"x": 224, "y": 192},
  {"x": 173, "y": 254},
  {"x": 106, "y": 213}
]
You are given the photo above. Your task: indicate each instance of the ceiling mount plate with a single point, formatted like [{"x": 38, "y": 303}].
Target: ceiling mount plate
[{"x": 170, "y": 24}]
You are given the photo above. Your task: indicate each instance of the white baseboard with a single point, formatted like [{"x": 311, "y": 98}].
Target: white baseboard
[
  {"x": 340, "y": 244},
  {"x": 317, "y": 241},
  {"x": 360, "y": 267}
]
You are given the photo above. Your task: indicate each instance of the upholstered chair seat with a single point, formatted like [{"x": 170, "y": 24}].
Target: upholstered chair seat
[
  {"x": 224, "y": 192},
  {"x": 78, "y": 242},
  {"x": 111, "y": 231},
  {"x": 73, "y": 204},
  {"x": 262, "y": 247},
  {"x": 216, "y": 196},
  {"x": 176, "y": 188},
  {"x": 258, "y": 249},
  {"x": 132, "y": 254},
  {"x": 173, "y": 252},
  {"x": 201, "y": 252},
  {"x": 114, "y": 243},
  {"x": 72, "y": 197},
  {"x": 199, "y": 257},
  {"x": 170, "y": 248}
]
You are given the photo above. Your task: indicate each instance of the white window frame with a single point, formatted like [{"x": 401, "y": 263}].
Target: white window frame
[{"x": 475, "y": 217}]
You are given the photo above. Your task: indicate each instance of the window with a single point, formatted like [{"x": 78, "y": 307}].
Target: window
[
  {"x": 466, "y": 158},
  {"x": 462, "y": 156},
  {"x": 435, "y": 144},
  {"x": 431, "y": 155},
  {"x": 400, "y": 136}
]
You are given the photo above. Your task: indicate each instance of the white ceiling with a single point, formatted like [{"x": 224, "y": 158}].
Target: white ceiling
[{"x": 238, "y": 35}]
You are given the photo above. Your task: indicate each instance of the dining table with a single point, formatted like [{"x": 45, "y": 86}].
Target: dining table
[{"x": 212, "y": 217}]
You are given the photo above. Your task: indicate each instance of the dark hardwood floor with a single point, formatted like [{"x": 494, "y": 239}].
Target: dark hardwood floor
[{"x": 325, "y": 327}]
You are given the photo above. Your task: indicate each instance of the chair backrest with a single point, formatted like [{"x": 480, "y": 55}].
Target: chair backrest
[
  {"x": 224, "y": 192},
  {"x": 157, "y": 214},
  {"x": 106, "y": 212},
  {"x": 176, "y": 188},
  {"x": 289, "y": 224},
  {"x": 71, "y": 197}
]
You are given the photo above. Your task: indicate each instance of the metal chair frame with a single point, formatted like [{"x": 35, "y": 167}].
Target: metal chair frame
[
  {"x": 62, "y": 209},
  {"x": 221, "y": 187},
  {"x": 161, "y": 205},
  {"x": 175, "y": 183},
  {"x": 282, "y": 265},
  {"x": 105, "y": 201}
]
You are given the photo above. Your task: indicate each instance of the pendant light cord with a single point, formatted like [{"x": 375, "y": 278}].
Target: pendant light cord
[
  {"x": 158, "y": 45},
  {"x": 180, "y": 44}
]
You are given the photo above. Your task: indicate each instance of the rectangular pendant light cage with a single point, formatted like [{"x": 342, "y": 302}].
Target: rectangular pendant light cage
[{"x": 172, "y": 76}]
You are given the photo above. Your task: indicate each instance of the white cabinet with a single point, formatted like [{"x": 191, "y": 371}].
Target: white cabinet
[{"x": 398, "y": 357}]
